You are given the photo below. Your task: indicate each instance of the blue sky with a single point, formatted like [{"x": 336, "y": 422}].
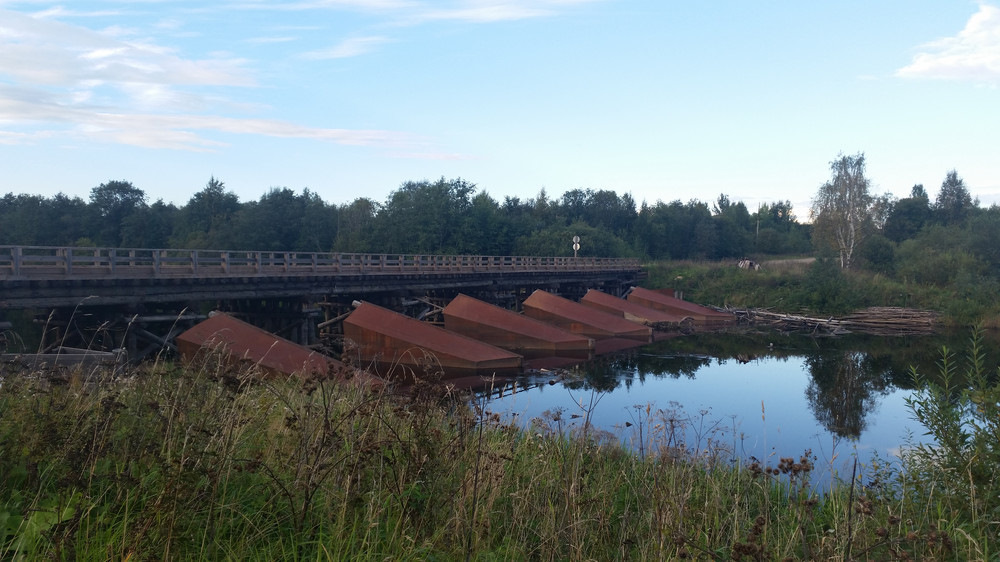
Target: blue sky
[{"x": 350, "y": 98}]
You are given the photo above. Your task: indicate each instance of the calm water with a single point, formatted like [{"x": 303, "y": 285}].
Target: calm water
[{"x": 762, "y": 396}]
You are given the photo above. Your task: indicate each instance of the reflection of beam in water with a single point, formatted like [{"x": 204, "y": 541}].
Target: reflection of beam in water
[
  {"x": 497, "y": 390},
  {"x": 698, "y": 356}
]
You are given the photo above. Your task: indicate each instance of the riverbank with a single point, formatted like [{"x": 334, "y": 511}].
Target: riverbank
[
  {"x": 204, "y": 462},
  {"x": 820, "y": 288}
]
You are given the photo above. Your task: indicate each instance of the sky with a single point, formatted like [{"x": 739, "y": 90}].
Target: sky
[{"x": 665, "y": 100}]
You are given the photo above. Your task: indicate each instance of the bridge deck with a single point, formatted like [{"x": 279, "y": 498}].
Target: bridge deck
[
  {"x": 36, "y": 276},
  {"x": 54, "y": 263}
]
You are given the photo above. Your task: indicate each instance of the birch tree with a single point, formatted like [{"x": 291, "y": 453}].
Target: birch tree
[{"x": 841, "y": 211}]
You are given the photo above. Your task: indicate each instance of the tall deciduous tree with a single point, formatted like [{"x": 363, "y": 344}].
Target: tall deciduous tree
[
  {"x": 114, "y": 201},
  {"x": 425, "y": 217},
  {"x": 841, "y": 210},
  {"x": 206, "y": 219},
  {"x": 355, "y": 227}
]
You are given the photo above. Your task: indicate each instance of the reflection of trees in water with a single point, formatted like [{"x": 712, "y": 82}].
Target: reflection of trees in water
[
  {"x": 845, "y": 381},
  {"x": 625, "y": 369},
  {"x": 606, "y": 373},
  {"x": 844, "y": 388},
  {"x": 672, "y": 365}
]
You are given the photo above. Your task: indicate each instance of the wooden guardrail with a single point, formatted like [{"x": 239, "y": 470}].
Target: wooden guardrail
[{"x": 46, "y": 262}]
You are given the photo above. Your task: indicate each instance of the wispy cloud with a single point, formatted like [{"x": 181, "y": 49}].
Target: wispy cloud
[
  {"x": 348, "y": 48},
  {"x": 46, "y": 117},
  {"x": 486, "y": 11},
  {"x": 119, "y": 84},
  {"x": 973, "y": 54},
  {"x": 271, "y": 40},
  {"x": 65, "y": 80},
  {"x": 41, "y": 51}
]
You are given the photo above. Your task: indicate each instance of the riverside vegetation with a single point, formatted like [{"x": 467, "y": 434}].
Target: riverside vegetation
[
  {"x": 821, "y": 287},
  {"x": 207, "y": 461}
]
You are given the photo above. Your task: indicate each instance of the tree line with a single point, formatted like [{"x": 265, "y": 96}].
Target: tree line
[
  {"x": 916, "y": 237},
  {"x": 446, "y": 216},
  {"x": 947, "y": 242}
]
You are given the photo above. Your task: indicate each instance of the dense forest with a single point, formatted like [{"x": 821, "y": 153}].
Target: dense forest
[
  {"x": 934, "y": 241},
  {"x": 439, "y": 217}
]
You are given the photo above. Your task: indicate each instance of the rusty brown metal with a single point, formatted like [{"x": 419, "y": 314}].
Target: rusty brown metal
[
  {"x": 629, "y": 310},
  {"x": 521, "y": 334},
  {"x": 401, "y": 347},
  {"x": 582, "y": 319},
  {"x": 243, "y": 343},
  {"x": 657, "y": 300}
]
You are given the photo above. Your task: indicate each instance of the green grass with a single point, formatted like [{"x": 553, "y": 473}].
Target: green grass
[
  {"x": 822, "y": 288},
  {"x": 207, "y": 462}
]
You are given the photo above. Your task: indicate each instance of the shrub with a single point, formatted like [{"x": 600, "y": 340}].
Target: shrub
[{"x": 961, "y": 411}]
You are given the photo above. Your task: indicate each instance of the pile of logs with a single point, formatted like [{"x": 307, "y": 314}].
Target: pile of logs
[{"x": 878, "y": 321}]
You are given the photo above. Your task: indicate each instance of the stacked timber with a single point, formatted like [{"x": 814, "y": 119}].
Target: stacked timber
[
  {"x": 878, "y": 321},
  {"x": 891, "y": 321},
  {"x": 789, "y": 322},
  {"x": 509, "y": 330}
]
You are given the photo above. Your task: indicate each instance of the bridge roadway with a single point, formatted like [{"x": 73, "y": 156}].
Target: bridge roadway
[{"x": 36, "y": 277}]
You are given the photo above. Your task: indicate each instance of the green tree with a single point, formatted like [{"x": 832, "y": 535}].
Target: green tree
[
  {"x": 149, "y": 227},
  {"x": 841, "y": 210},
  {"x": 557, "y": 240},
  {"x": 954, "y": 203},
  {"x": 355, "y": 227},
  {"x": 984, "y": 232},
  {"x": 878, "y": 254},
  {"x": 36, "y": 220},
  {"x": 908, "y": 215},
  {"x": 318, "y": 225},
  {"x": 275, "y": 222},
  {"x": 776, "y": 230},
  {"x": 733, "y": 228},
  {"x": 113, "y": 202},
  {"x": 206, "y": 220},
  {"x": 425, "y": 217},
  {"x": 486, "y": 229}
]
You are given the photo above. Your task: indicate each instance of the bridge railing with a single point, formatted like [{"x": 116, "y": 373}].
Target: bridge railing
[{"x": 46, "y": 262}]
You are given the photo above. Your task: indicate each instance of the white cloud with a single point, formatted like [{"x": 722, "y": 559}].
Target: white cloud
[
  {"x": 415, "y": 12},
  {"x": 43, "y": 116},
  {"x": 65, "y": 80},
  {"x": 488, "y": 11},
  {"x": 973, "y": 54},
  {"x": 271, "y": 40},
  {"x": 118, "y": 85},
  {"x": 348, "y": 48},
  {"x": 40, "y": 51}
]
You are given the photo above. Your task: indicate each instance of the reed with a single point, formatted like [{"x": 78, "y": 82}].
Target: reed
[{"x": 208, "y": 461}]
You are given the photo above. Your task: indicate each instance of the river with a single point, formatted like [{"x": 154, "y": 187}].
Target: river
[{"x": 752, "y": 395}]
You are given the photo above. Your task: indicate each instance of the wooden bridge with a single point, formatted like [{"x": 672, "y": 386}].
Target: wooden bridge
[{"x": 275, "y": 290}]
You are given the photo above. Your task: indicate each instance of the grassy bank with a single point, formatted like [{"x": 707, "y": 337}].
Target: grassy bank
[
  {"x": 821, "y": 287},
  {"x": 202, "y": 462}
]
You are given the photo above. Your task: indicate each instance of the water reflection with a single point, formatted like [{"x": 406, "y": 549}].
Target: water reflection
[
  {"x": 776, "y": 394},
  {"x": 844, "y": 388}
]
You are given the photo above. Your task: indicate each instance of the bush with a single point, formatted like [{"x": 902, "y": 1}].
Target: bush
[{"x": 961, "y": 410}]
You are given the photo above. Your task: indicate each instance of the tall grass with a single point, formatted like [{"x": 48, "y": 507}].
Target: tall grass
[
  {"x": 209, "y": 462},
  {"x": 821, "y": 287}
]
